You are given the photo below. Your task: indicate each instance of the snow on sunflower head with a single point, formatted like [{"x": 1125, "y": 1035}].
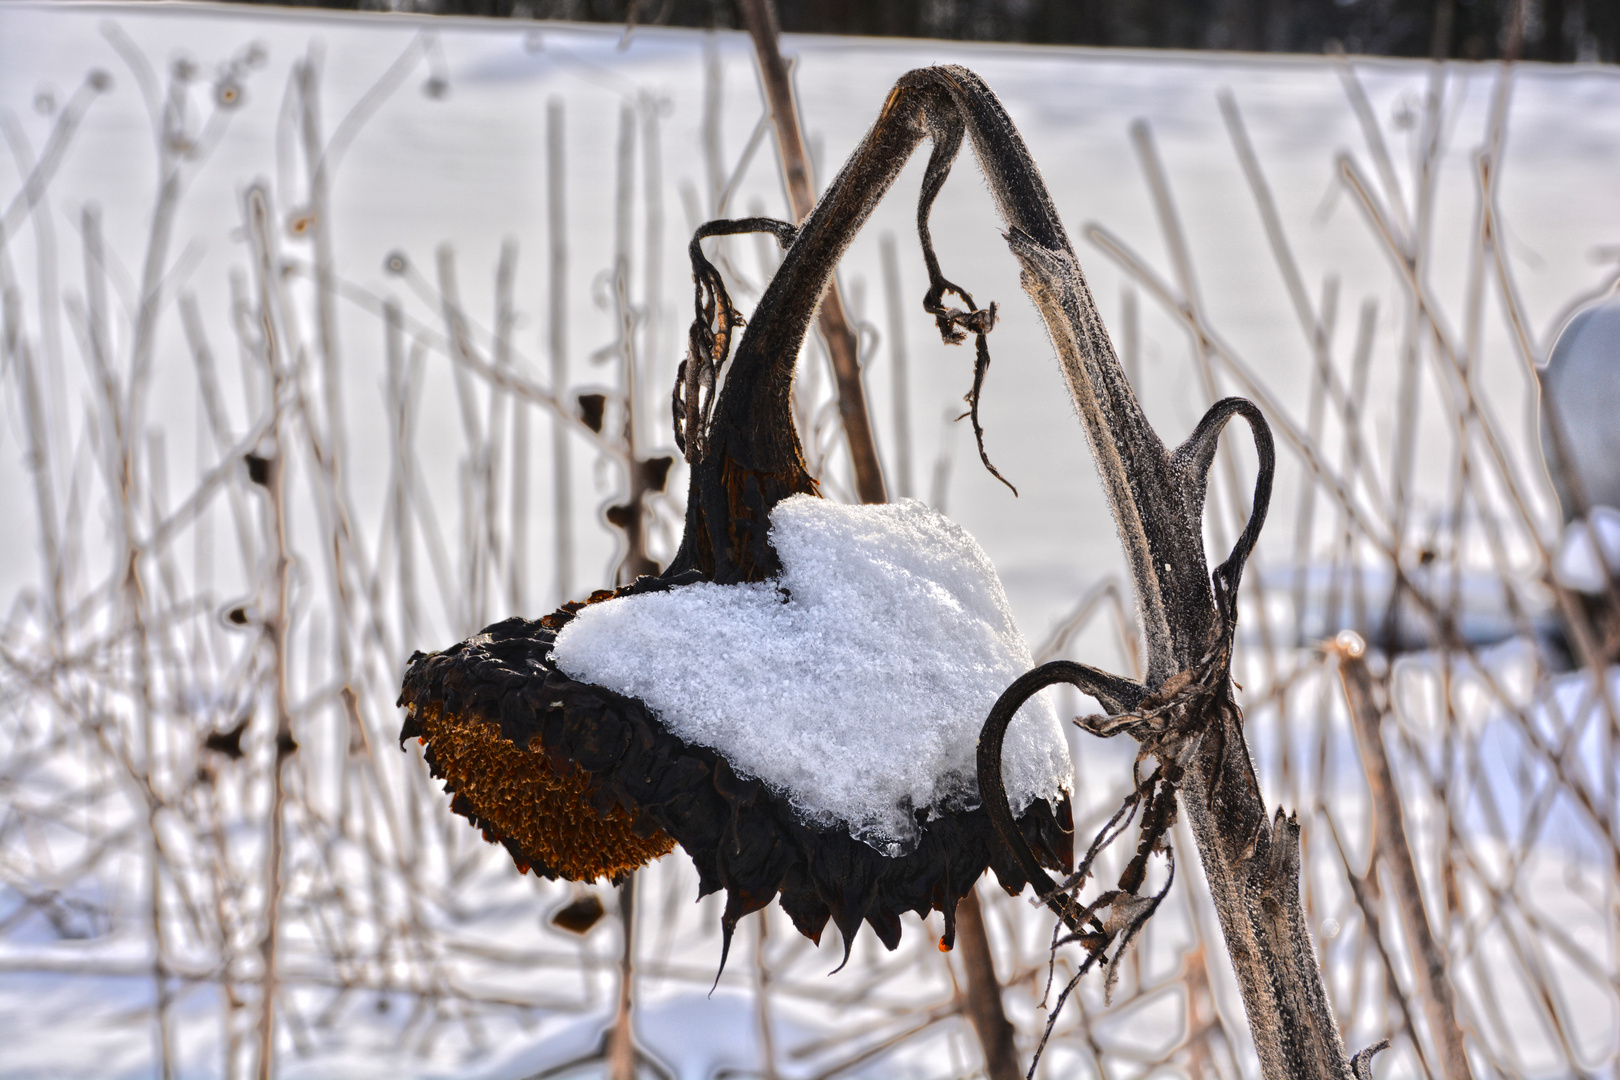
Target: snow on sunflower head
[{"x": 796, "y": 699}]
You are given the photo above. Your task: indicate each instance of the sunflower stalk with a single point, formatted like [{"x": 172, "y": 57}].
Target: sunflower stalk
[
  {"x": 1183, "y": 713},
  {"x": 759, "y": 16}
]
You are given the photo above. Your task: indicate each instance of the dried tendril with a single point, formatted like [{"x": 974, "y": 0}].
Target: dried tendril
[{"x": 709, "y": 339}]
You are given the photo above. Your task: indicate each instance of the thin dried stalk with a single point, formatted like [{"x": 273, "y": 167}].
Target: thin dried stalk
[
  {"x": 260, "y": 230},
  {"x": 315, "y": 221},
  {"x": 900, "y": 385},
  {"x": 760, "y": 18},
  {"x": 620, "y": 1050},
  {"x": 517, "y": 529},
  {"x": 19, "y": 356},
  {"x": 632, "y": 514},
  {"x": 1393, "y": 850},
  {"x": 50, "y": 158},
  {"x": 557, "y": 341},
  {"x": 983, "y": 997},
  {"x": 762, "y": 998}
]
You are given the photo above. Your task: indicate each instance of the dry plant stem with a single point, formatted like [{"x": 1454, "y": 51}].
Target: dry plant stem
[
  {"x": 307, "y": 73},
  {"x": 557, "y": 346},
  {"x": 1157, "y": 498},
  {"x": 634, "y": 523},
  {"x": 119, "y": 410},
  {"x": 1409, "y": 244},
  {"x": 1392, "y": 848},
  {"x": 621, "y": 1047},
  {"x": 260, "y": 229},
  {"x": 1364, "y": 889},
  {"x": 20, "y": 358},
  {"x": 214, "y": 407},
  {"x": 651, "y": 320},
  {"x": 762, "y": 998},
  {"x": 500, "y": 406},
  {"x": 760, "y": 18},
  {"x": 135, "y": 597},
  {"x": 399, "y": 401},
  {"x": 901, "y": 388},
  {"x": 983, "y": 997},
  {"x": 517, "y": 539}
]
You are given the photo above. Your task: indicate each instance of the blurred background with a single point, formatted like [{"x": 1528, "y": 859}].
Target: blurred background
[{"x": 435, "y": 264}]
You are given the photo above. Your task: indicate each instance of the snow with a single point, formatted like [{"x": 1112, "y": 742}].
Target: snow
[
  {"x": 1579, "y": 387},
  {"x": 1576, "y": 565},
  {"x": 854, "y": 684}
]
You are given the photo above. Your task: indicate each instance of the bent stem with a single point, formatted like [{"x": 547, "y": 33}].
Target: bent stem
[
  {"x": 759, "y": 17},
  {"x": 746, "y": 458},
  {"x": 620, "y": 1047},
  {"x": 1183, "y": 714}
]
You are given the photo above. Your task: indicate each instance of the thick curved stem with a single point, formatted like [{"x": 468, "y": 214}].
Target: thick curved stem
[
  {"x": 752, "y": 425},
  {"x": 1115, "y": 694},
  {"x": 760, "y": 19},
  {"x": 753, "y": 461},
  {"x": 1195, "y": 456}
]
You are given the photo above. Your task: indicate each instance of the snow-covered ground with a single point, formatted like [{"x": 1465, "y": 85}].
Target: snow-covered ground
[{"x": 411, "y": 948}]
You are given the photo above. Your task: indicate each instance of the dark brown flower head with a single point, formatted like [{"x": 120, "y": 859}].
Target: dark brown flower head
[
  {"x": 599, "y": 787},
  {"x": 581, "y": 782}
]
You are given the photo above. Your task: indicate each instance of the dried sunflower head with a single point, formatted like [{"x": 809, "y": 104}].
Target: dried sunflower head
[{"x": 580, "y": 780}]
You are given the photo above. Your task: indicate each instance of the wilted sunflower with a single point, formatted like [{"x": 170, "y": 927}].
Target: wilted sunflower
[{"x": 593, "y": 740}]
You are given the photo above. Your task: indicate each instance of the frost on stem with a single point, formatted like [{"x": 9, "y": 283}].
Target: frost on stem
[{"x": 1183, "y": 714}]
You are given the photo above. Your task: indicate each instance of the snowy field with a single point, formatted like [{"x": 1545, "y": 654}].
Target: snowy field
[{"x": 432, "y": 314}]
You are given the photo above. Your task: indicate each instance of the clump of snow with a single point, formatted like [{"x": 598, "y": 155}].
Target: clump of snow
[
  {"x": 855, "y": 684},
  {"x": 1577, "y": 565}
]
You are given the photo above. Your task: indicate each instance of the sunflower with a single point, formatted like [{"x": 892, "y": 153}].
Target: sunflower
[{"x": 764, "y": 701}]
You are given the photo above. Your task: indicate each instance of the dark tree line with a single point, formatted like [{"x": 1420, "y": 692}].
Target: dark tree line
[{"x": 1553, "y": 30}]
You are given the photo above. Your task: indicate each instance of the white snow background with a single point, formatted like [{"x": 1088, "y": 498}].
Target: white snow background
[{"x": 412, "y": 948}]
